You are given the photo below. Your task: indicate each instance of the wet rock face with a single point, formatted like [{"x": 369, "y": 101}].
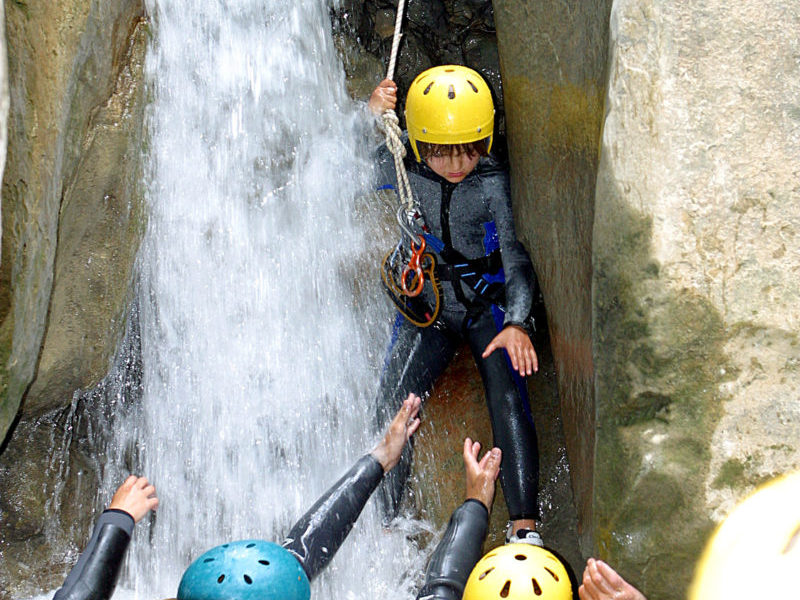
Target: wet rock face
[
  {"x": 695, "y": 276},
  {"x": 435, "y": 32},
  {"x": 71, "y": 213},
  {"x": 553, "y": 60}
]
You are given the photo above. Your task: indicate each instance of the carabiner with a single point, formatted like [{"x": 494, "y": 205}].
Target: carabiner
[
  {"x": 414, "y": 267},
  {"x": 403, "y": 221}
]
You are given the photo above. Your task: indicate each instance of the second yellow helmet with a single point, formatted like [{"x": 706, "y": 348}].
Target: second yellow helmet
[
  {"x": 755, "y": 552},
  {"x": 518, "y": 572},
  {"x": 449, "y": 104}
]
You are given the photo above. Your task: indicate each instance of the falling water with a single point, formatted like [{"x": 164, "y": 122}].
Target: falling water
[{"x": 259, "y": 358}]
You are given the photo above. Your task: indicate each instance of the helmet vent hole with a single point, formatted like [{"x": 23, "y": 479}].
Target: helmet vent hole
[
  {"x": 250, "y": 546},
  {"x": 247, "y": 579},
  {"x": 551, "y": 573},
  {"x": 451, "y": 91},
  {"x": 225, "y": 545},
  {"x": 520, "y": 557},
  {"x": 263, "y": 562},
  {"x": 536, "y": 588},
  {"x": 221, "y": 578},
  {"x": 428, "y": 89},
  {"x": 506, "y": 590},
  {"x": 208, "y": 560},
  {"x": 472, "y": 85},
  {"x": 485, "y": 573}
]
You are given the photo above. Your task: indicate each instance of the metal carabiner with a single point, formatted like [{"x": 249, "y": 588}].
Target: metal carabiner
[
  {"x": 414, "y": 267},
  {"x": 403, "y": 221}
]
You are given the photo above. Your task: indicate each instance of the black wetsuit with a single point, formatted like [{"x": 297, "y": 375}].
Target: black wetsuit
[
  {"x": 313, "y": 540},
  {"x": 474, "y": 218},
  {"x": 95, "y": 574}
]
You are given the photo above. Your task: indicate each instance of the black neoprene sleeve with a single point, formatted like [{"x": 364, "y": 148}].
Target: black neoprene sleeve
[
  {"x": 456, "y": 554},
  {"x": 317, "y": 536},
  {"x": 94, "y": 576}
]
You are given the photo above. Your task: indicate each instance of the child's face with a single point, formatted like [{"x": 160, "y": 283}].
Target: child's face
[{"x": 453, "y": 167}]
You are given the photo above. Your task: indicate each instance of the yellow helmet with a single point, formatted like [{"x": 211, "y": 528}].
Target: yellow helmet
[
  {"x": 755, "y": 552},
  {"x": 449, "y": 104},
  {"x": 518, "y": 572}
]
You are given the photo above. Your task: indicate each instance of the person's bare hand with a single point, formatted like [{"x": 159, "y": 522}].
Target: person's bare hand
[
  {"x": 400, "y": 430},
  {"x": 383, "y": 98},
  {"x": 517, "y": 343},
  {"x": 136, "y": 496},
  {"x": 601, "y": 582},
  {"x": 481, "y": 474}
]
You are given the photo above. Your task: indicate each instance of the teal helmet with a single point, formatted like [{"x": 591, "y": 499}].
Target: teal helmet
[{"x": 245, "y": 570}]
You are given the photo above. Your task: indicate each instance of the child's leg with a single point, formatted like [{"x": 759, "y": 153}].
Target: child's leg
[
  {"x": 414, "y": 360},
  {"x": 513, "y": 429}
]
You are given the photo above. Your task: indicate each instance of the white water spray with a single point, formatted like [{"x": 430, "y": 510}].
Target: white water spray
[{"x": 258, "y": 365}]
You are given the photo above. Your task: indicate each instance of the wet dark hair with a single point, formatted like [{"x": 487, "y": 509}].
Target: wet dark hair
[{"x": 427, "y": 150}]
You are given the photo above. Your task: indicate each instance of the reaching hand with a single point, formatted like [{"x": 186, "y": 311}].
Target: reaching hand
[
  {"x": 601, "y": 582},
  {"x": 136, "y": 497},
  {"x": 400, "y": 430},
  {"x": 481, "y": 475},
  {"x": 517, "y": 343},
  {"x": 383, "y": 98}
]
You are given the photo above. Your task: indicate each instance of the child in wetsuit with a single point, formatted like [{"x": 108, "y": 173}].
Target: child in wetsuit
[{"x": 488, "y": 282}]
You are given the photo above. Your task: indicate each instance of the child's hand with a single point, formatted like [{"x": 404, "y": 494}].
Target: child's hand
[
  {"x": 383, "y": 98},
  {"x": 136, "y": 497},
  {"x": 520, "y": 350}
]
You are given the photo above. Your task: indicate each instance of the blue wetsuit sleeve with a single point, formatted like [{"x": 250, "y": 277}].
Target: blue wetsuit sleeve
[
  {"x": 95, "y": 574},
  {"x": 456, "y": 554},
  {"x": 317, "y": 536},
  {"x": 517, "y": 266}
]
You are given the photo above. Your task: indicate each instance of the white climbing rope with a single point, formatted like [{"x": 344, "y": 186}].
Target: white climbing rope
[{"x": 392, "y": 132}]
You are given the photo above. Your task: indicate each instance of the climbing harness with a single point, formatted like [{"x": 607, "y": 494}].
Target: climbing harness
[{"x": 406, "y": 269}]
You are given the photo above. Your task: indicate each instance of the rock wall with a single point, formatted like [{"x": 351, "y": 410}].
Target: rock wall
[
  {"x": 553, "y": 62},
  {"x": 696, "y": 287},
  {"x": 72, "y": 219},
  {"x": 71, "y": 213}
]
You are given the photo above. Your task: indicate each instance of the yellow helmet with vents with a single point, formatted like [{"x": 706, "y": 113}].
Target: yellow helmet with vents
[
  {"x": 449, "y": 104},
  {"x": 755, "y": 552},
  {"x": 518, "y": 572}
]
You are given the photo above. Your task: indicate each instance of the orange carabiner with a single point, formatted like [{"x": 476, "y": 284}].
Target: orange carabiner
[{"x": 414, "y": 268}]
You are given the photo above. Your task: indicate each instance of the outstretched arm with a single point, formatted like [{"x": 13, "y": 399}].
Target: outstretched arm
[
  {"x": 317, "y": 536},
  {"x": 460, "y": 548},
  {"x": 95, "y": 574}
]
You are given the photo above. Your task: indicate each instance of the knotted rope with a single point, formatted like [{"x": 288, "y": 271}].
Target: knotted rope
[{"x": 390, "y": 124}]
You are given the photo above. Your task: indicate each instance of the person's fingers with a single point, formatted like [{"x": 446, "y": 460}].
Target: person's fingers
[
  {"x": 484, "y": 461},
  {"x": 492, "y": 462},
  {"x": 493, "y": 345},
  {"x": 599, "y": 577},
  {"x": 141, "y": 483},
  {"x": 513, "y": 355},
  {"x": 528, "y": 363},
  {"x": 471, "y": 450},
  {"x": 416, "y": 403},
  {"x": 149, "y": 490},
  {"x": 476, "y": 450},
  {"x": 588, "y": 590},
  {"x": 412, "y": 428},
  {"x": 535, "y": 361}
]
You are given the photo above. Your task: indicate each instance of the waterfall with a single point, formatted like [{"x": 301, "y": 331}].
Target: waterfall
[{"x": 260, "y": 348}]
